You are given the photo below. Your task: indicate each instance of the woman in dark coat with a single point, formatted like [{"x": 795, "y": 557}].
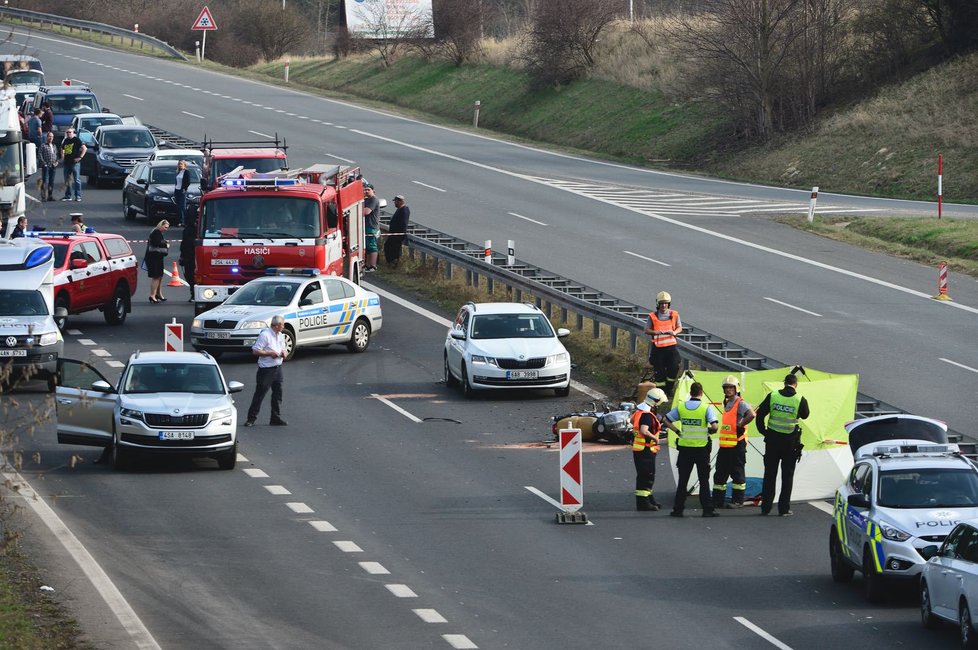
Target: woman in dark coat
[
  {"x": 155, "y": 252},
  {"x": 187, "y": 260}
]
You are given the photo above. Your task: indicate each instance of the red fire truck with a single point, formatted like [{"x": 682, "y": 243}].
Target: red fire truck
[
  {"x": 305, "y": 218},
  {"x": 222, "y": 158}
]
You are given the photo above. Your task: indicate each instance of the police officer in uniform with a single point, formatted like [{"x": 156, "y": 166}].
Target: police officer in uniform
[
  {"x": 663, "y": 326},
  {"x": 698, "y": 419},
  {"x": 731, "y": 459},
  {"x": 782, "y": 442},
  {"x": 645, "y": 447}
]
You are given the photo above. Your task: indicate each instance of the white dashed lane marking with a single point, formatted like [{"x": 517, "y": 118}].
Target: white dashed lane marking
[
  {"x": 99, "y": 352},
  {"x": 112, "y": 363},
  {"x": 348, "y": 546},
  {"x": 256, "y": 473},
  {"x": 300, "y": 508},
  {"x": 277, "y": 489},
  {"x": 459, "y": 641},
  {"x": 86, "y": 341},
  {"x": 374, "y": 568},
  {"x": 401, "y": 591},
  {"x": 429, "y": 615},
  {"x": 323, "y": 526},
  {"x": 75, "y": 332}
]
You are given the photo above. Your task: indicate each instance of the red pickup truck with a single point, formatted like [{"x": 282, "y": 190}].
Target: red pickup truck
[{"x": 93, "y": 271}]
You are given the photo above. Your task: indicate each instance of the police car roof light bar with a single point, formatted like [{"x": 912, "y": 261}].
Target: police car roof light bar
[{"x": 291, "y": 270}]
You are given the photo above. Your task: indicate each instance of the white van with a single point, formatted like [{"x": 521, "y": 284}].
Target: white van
[{"x": 30, "y": 342}]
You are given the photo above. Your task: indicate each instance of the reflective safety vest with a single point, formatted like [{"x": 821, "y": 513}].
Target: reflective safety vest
[
  {"x": 783, "y": 416},
  {"x": 694, "y": 426},
  {"x": 728, "y": 426},
  {"x": 670, "y": 325},
  {"x": 639, "y": 440}
]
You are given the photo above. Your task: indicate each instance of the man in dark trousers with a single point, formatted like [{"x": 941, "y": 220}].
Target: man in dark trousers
[
  {"x": 397, "y": 231},
  {"x": 188, "y": 261},
  {"x": 782, "y": 442},
  {"x": 731, "y": 461},
  {"x": 270, "y": 350},
  {"x": 645, "y": 447},
  {"x": 698, "y": 419}
]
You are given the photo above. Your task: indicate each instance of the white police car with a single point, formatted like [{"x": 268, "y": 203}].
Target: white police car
[
  {"x": 907, "y": 489},
  {"x": 318, "y": 310}
]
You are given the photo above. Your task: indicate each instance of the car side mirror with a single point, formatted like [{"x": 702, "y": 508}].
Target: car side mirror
[
  {"x": 562, "y": 332},
  {"x": 235, "y": 387},
  {"x": 141, "y": 181},
  {"x": 458, "y": 335},
  {"x": 101, "y": 386},
  {"x": 79, "y": 263},
  {"x": 929, "y": 551},
  {"x": 858, "y": 501}
]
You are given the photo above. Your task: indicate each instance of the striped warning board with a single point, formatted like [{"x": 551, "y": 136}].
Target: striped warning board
[
  {"x": 571, "y": 478},
  {"x": 173, "y": 337}
]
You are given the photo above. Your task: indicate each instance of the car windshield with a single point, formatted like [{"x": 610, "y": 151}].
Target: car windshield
[
  {"x": 92, "y": 123},
  {"x": 260, "y": 216},
  {"x": 22, "y": 302},
  {"x": 60, "y": 252},
  {"x": 137, "y": 139},
  {"x": 929, "y": 488},
  {"x": 511, "y": 326},
  {"x": 271, "y": 294},
  {"x": 168, "y": 175},
  {"x": 72, "y": 105},
  {"x": 22, "y": 77},
  {"x": 9, "y": 164},
  {"x": 222, "y": 166},
  {"x": 173, "y": 378}
]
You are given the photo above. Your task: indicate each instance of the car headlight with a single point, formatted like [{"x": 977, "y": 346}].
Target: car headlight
[
  {"x": 197, "y": 323},
  {"x": 554, "y": 359},
  {"x": 252, "y": 325},
  {"x": 105, "y": 156},
  {"x": 48, "y": 338},
  {"x": 131, "y": 413},
  {"x": 223, "y": 413},
  {"x": 157, "y": 198},
  {"x": 490, "y": 361},
  {"x": 893, "y": 533}
]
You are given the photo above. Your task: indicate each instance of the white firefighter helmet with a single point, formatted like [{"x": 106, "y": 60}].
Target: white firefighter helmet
[
  {"x": 655, "y": 397},
  {"x": 731, "y": 380},
  {"x": 663, "y": 296}
]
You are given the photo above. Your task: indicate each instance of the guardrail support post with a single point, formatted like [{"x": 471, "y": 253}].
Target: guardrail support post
[
  {"x": 448, "y": 270},
  {"x": 563, "y": 314},
  {"x": 580, "y": 322},
  {"x": 595, "y": 329},
  {"x": 489, "y": 284},
  {"x": 614, "y": 337}
]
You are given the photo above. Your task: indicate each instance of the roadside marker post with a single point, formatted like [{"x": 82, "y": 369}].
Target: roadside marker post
[
  {"x": 510, "y": 253},
  {"x": 571, "y": 478},
  {"x": 286, "y": 72},
  {"x": 173, "y": 336},
  {"x": 488, "y": 251},
  {"x": 940, "y": 184},
  {"x": 942, "y": 283},
  {"x": 811, "y": 205}
]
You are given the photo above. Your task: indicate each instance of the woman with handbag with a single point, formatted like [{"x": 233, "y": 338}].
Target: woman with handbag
[{"x": 155, "y": 252}]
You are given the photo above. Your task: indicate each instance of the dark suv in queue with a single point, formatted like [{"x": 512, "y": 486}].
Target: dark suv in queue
[{"x": 115, "y": 150}]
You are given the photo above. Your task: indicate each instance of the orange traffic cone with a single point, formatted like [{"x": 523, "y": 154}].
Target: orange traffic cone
[{"x": 175, "y": 277}]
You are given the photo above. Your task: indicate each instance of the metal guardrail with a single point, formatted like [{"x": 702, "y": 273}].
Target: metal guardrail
[
  {"x": 172, "y": 140},
  {"x": 89, "y": 26}
]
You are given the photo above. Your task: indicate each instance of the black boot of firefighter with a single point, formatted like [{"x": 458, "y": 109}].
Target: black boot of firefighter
[
  {"x": 642, "y": 504},
  {"x": 736, "y": 499},
  {"x": 718, "y": 497}
]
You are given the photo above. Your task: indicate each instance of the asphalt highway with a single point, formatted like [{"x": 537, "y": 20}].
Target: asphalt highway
[{"x": 359, "y": 527}]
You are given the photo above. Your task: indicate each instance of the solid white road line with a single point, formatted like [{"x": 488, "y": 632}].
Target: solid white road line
[
  {"x": 192, "y": 114},
  {"x": 959, "y": 365},
  {"x": 341, "y": 159},
  {"x": 430, "y": 187},
  {"x": 374, "y": 568},
  {"x": 430, "y": 615},
  {"x": 543, "y": 496},
  {"x": 261, "y": 135},
  {"x": 299, "y": 508},
  {"x": 277, "y": 489},
  {"x": 761, "y": 633},
  {"x": 647, "y": 259},
  {"x": 824, "y": 507},
  {"x": 520, "y": 216},
  {"x": 348, "y": 546},
  {"x": 323, "y": 526},
  {"x": 141, "y": 636},
  {"x": 401, "y": 591},
  {"x": 181, "y": 280},
  {"x": 255, "y": 473},
  {"x": 784, "y": 304},
  {"x": 459, "y": 641},
  {"x": 395, "y": 407}
]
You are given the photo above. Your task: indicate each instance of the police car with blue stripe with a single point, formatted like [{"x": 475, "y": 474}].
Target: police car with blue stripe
[
  {"x": 907, "y": 489},
  {"x": 318, "y": 310}
]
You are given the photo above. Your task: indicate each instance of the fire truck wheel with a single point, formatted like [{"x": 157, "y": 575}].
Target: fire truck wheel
[
  {"x": 360, "y": 338},
  {"x": 127, "y": 210},
  {"x": 289, "y": 343},
  {"x": 116, "y": 309},
  {"x": 61, "y": 302}
]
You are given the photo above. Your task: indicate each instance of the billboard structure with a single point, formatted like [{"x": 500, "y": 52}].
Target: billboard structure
[{"x": 389, "y": 19}]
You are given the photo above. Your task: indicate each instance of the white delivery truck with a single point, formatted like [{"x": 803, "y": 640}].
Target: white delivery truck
[
  {"x": 30, "y": 342},
  {"x": 18, "y": 160}
]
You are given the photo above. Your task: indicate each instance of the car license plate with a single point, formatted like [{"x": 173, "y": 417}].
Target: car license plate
[
  {"x": 218, "y": 335},
  {"x": 521, "y": 374},
  {"x": 176, "y": 435},
  {"x": 13, "y": 353},
  {"x": 224, "y": 262}
]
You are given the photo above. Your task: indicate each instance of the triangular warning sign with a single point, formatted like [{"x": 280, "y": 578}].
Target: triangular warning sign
[
  {"x": 205, "y": 20},
  {"x": 567, "y": 499}
]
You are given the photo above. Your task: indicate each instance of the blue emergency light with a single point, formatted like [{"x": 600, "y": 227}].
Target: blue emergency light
[
  {"x": 288, "y": 270},
  {"x": 259, "y": 182},
  {"x": 39, "y": 256}
]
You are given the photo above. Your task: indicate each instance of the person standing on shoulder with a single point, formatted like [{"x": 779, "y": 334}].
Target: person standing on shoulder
[
  {"x": 645, "y": 448},
  {"x": 72, "y": 151},
  {"x": 49, "y": 157},
  {"x": 782, "y": 441},
  {"x": 156, "y": 249},
  {"x": 371, "y": 216},
  {"x": 180, "y": 187},
  {"x": 20, "y": 228},
  {"x": 34, "y": 130},
  {"x": 47, "y": 118},
  {"x": 397, "y": 231},
  {"x": 663, "y": 327},
  {"x": 698, "y": 419},
  {"x": 732, "y": 456},
  {"x": 270, "y": 350}
]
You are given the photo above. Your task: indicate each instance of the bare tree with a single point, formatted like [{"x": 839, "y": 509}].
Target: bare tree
[
  {"x": 270, "y": 28},
  {"x": 389, "y": 28},
  {"x": 459, "y": 26},
  {"x": 955, "y": 22},
  {"x": 561, "y": 41}
]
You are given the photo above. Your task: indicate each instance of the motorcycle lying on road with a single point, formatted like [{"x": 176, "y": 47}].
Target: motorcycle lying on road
[{"x": 598, "y": 421}]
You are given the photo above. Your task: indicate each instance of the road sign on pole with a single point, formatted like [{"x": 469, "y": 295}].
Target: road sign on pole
[
  {"x": 173, "y": 336},
  {"x": 205, "y": 22}
]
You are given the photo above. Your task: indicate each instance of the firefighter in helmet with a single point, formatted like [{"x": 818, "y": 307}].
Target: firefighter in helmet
[
  {"x": 663, "y": 326},
  {"x": 645, "y": 446},
  {"x": 731, "y": 459}
]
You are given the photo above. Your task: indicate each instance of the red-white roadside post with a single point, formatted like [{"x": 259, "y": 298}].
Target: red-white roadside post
[
  {"x": 488, "y": 251},
  {"x": 940, "y": 184},
  {"x": 811, "y": 205},
  {"x": 286, "y": 72},
  {"x": 942, "y": 283},
  {"x": 571, "y": 478},
  {"x": 173, "y": 336}
]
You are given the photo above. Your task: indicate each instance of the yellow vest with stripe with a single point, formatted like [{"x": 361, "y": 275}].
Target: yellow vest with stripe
[
  {"x": 783, "y": 416},
  {"x": 695, "y": 431}
]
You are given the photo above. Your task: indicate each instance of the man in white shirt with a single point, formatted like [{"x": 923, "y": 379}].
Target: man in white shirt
[{"x": 270, "y": 350}]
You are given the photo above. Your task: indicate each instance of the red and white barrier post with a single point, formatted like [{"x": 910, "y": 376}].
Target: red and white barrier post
[
  {"x": 173, "y": 336},
  {"x": 286, "y": 72},
  {"x": 811, "y": 205},
  {"x": 942, "y": 283},
  {"x": 571, "y": 478},
  {"x": 940, "y": 184},
  {"x": 488, "y": 252}
]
